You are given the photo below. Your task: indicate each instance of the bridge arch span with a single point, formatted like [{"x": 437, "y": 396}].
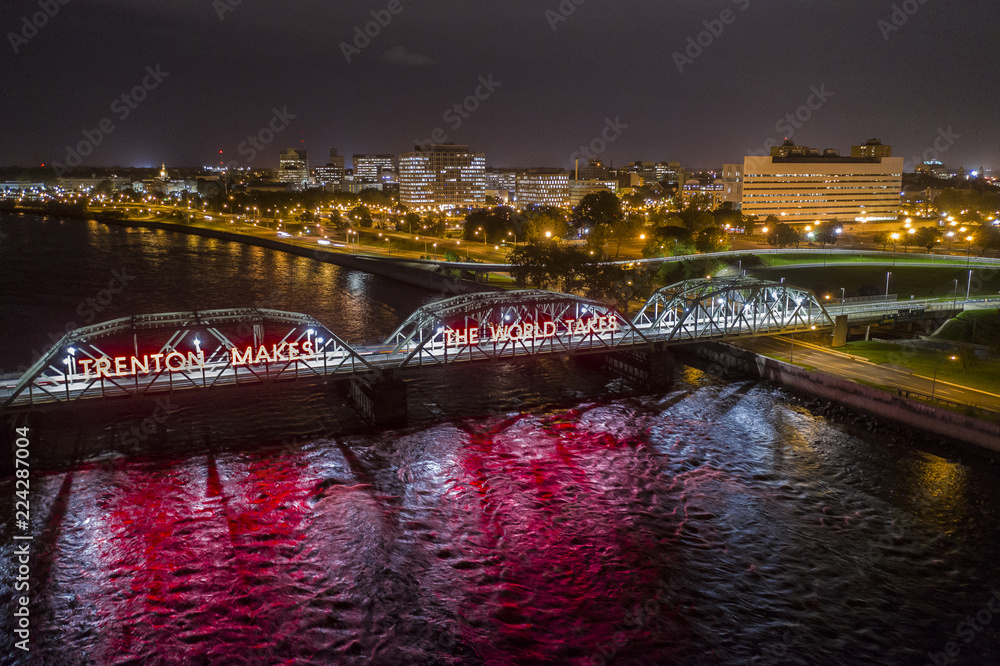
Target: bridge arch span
[
  {"x": 729, "y": 307},
  {"x": 484, "y": 326}
]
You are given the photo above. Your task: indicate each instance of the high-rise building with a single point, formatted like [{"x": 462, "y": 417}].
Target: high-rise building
[
  {"x": 871, "y": 148},
  {"x": 442, "y": 176},
  {"x": 293, "y": 167},
  {"x": 543, "y": 187},
  {"x": 732, "y": 184},
  {"x": 594, "y": 170},
  {"x": 375, "y": 168},
  {"x": 805, "y": 185},
  {"x": 668, "y": 171}
]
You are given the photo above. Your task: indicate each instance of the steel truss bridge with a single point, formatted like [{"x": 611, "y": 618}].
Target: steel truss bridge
[{"x": 149, "y": 354}]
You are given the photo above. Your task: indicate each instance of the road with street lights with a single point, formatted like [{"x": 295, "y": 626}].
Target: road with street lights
[{"x": 853, "y": 367}]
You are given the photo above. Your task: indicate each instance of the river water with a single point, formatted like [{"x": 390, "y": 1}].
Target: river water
[{"x": 530, "y": 512}]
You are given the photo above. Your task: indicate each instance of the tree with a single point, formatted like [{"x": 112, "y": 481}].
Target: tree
[
  {"x": 925, "y": 237},
  {"x": 668, "y": 240},
  {"x": 374, "y": 197},
  {"x": 598, "y": 209},
  {"x": 541, "y": 221},
  {"x": 988, "y": 237},
  {"x": 826, "y": 234},
  {"x": 361, "y": 216},
  {"x": 411, "y": 223},
  {"x": 726, "y": 214},
  {"x": 490, "y": 225},
  {"x": 782, "y": 235},
  {"x": 882, "y": 238},
  {"x": 712, "y": 239}
]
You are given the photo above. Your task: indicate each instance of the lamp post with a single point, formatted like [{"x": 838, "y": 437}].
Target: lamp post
[
  {"x": 968, "y": 286},
  {"x": 843, "y": 299},
  {"x": 887, "y": 274},
  {"x": 954, "y": 298},
  {"x": 934, "y": 380}
]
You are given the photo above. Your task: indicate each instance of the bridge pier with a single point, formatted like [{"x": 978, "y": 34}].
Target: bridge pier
[
  {"x": 382, "y": 399},
  {"x": 840, "y": 331},
  {"x": 652, "y": 368}
]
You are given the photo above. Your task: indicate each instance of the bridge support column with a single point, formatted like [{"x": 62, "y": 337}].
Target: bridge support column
[
  {"x": 381, "y": 399},
  {"x": 654, "y": 369},
  {"x": 839, "y": 331}
]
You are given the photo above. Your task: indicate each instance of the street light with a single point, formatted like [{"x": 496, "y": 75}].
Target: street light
[
  {"x": 887, "y": 274},
  {"x": 954, "y": 298},
  {"x": 934, "y": 380},
  {"x": 843, "y": 299}
]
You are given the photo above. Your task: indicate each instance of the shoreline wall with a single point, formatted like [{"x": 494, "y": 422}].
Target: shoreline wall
[
  {"x": 883, "y": 404},
  {"x": 394, "y": 270}
]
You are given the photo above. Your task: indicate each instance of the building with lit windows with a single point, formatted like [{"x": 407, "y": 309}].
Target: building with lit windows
[
  {"x": 543, "y": 187},
  {"x": 871, "y": 148},
  {"x": 375, "y": 168},
  {"x": 331, "y": 174},
  {"x": 804, "y": 185},
  {"x": 732, "y": 184},
  {"x": 293, "y": 167},
  {"x": 442, "y": 176},
  {"x": 578, "y": 189}
]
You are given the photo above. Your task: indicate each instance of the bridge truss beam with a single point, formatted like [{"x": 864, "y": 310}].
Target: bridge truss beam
[
  {"x": 729, "y": 307},
  {"x": 506, "y": 324}
]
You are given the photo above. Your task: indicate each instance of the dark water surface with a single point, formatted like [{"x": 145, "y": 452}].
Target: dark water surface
[{"x": 530, "y": 512}]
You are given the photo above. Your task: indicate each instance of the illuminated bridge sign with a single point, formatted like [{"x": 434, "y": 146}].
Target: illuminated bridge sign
[{"x": 150, "y": 354}]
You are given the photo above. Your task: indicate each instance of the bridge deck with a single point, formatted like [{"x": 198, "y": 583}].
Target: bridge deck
[{"x": 687, "y": 312}]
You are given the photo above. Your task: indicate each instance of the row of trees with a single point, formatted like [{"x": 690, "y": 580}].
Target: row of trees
[
  {"x": 782, "y": 235},
  {"x": 692, "y": 229},
  {"x": 549, "y": 265},
  {"x": 986, "y": 237}
]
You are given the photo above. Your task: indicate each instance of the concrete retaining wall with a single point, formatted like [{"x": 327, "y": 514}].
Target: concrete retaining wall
[
  {"x": 394, "y": 270},
  {"x": 867, "y": 399}
]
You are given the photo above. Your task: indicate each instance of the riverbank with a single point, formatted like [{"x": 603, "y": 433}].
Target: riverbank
[
  {"x": 861, "y": 397},
  {"x": 433, "y": 279}
]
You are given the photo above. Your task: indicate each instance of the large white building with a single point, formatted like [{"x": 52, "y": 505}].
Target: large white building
[
  {"x": 543, "y": 187},
  {"x": 805, "y": 185},
  {"x": 442, "y": 176}
]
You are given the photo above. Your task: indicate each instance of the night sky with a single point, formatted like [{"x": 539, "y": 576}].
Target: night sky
[{"x": 908, "y": 83}]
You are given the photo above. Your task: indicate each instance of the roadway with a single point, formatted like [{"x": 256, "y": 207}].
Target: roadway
[{"x": 845, "y": 365}]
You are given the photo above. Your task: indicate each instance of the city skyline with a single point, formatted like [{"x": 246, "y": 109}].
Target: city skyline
[{"x": 528, "y": 84}]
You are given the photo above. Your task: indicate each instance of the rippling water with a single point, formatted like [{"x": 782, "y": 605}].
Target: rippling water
[{"x": 531, "y": 512}]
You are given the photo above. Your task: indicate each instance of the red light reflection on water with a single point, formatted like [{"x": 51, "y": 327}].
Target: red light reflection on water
[
  {"x": 543, "y": 505},
  {"x": 201, "y": 562}
]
